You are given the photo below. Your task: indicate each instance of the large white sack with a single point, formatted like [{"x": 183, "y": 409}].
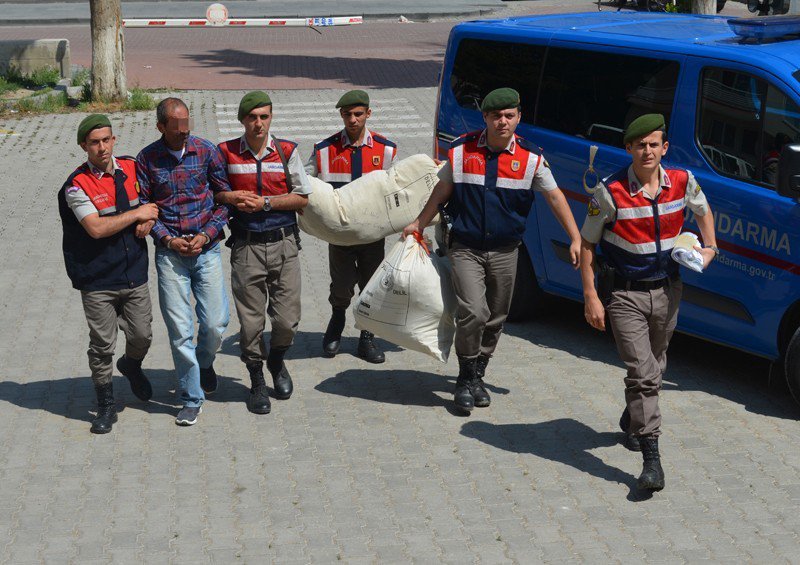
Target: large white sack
[
  {"x": 410, "y": 301},
  {"x": 371, "y": 207}
]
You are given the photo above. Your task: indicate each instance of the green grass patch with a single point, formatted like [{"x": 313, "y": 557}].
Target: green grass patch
[
  {"x": 81, "y": 77},
  {"x": 139, "y": 100},
  {"x": 40, "y": 78},
  {"x": 47, "y": 105}
]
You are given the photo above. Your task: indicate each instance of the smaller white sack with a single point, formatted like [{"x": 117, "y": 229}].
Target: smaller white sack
[{"x": 410, "y": 301}]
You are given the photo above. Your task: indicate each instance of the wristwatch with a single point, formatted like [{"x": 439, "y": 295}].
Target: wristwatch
[
  {"x": 715, "y": 249},
  {"x": 267, "y": 204}
]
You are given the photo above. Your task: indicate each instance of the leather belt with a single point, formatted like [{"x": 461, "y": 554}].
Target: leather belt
[
  {"x": 624, "y": 284},
  {"x": 270, "y": 236}
]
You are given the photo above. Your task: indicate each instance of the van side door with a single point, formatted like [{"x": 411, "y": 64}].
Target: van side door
[{"x": 743, "y": 117}]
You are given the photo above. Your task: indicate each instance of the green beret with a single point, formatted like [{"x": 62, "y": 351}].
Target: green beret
[
  {"x": 90, "y": 122},
  {"x": 500, "y": 99},
  {"x": 353, "y": 98},
  {"x": 642, "y": 126},
  {"x": 251, "y": 101}
]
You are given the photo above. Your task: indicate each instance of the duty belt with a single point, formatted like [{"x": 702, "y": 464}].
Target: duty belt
[{"x": 624, "y": 284}]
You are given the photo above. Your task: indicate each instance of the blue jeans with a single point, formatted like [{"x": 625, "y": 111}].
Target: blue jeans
[{"x": 178, "y": 278}]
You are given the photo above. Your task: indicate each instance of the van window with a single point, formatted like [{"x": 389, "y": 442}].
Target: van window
[
  {"x": 481, "y": 66},
  {"x": 744, "y": 122},
  {"x": 596, "y": 95}
]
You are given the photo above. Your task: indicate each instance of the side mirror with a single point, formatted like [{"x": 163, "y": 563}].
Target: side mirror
[{"x": 789, "y": 171}]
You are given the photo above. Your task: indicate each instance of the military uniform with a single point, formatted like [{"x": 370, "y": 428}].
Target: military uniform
[
  {"x": 636, "y": 233},
  {"x": 338, "y": 161},
  {"x": 265, "y": 264},
  {"x": 110, "y": 272}
]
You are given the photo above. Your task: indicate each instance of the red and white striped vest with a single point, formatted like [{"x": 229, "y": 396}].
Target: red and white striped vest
[{"x": 339, "y": 163}]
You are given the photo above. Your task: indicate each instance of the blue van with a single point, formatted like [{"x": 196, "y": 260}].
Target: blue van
[{"x": 730, "y": 91}]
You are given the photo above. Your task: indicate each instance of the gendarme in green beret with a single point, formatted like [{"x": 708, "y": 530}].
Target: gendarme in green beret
[
  {"x": 642, "y": 126},
  {"x": 353, "y": 98},
  {"x": 90, "y": 122},
  {"x": 251, "y": 101},
  {"x": 500, "y": 99}
]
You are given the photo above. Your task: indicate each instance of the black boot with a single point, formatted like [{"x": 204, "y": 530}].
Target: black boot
[
  {"x": 131, "y": 369},
  {"x": 479, "y": 392},
  {"x": 463, "y": 397},
  {"x": 367, "y": 349},
  {"x": 106, "y": 409},
  {"x": 652, "y": 477},
  {"x": 631, "y": 442},
  {"x": 281, "y": 380},
  {"x": 333, "y": 334},
  {"x": 258, "y": 400}
]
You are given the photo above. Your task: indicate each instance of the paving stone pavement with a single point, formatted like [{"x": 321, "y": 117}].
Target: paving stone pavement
[{"x": 365, "y": 464}]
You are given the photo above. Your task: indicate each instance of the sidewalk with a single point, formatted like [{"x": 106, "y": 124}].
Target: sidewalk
[{"x": 365, "y": 463}]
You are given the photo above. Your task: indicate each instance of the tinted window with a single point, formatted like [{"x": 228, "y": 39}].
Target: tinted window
[
  {"x": 596, "y": 95},
  {"x": 744, "y": 123},
  {"x": 481, "y": 66}
]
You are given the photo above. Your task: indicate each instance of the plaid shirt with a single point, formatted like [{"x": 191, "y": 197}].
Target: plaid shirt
[{"x": 181, "y": 188}]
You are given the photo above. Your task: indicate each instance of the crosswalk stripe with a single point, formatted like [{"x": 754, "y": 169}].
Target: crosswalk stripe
[
  {"x": 324, "y": 104},
  {"x": 323, "y": 134},
  {"x": 327, "y": 120}
]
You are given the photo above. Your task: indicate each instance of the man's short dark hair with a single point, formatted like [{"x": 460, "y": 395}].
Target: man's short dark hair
[{"x": 165, "y": 107}]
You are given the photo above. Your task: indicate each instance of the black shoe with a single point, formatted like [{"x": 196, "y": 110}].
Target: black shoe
[
  {"x": 333, "y": 334},
  {"x": 367, "y": 349},
  {"x": 465, "y": 384},
  {"x": 131, "y": 369},
  {"x": 281, "y": 380},
  {"x": 106, "y": 410},
  {"x": 479, "y": 392},
  {"x": 258, "y": 400},
  {"x": 652, "y": 477},
  {"x": 208, "y": 380},
  {"x": 631, "y": 442}
]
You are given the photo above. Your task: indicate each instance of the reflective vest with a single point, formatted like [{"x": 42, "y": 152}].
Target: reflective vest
[
  {"x": 110, "y": 263},
  {"x": 492, "y": 192},
  {"x": 638, "y": 243},
  {"x": 265, "y": 177},
  {"x": 338, "y": 164}
]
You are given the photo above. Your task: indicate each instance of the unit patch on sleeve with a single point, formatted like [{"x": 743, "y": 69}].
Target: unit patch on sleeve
[{"x": 594, "y": 207}]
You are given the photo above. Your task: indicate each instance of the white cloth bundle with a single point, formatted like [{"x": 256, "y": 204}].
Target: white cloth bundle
[
  {"x": 371, "y": 207},
  {"x": 684, "y": 252},
  {"x": 410, "y": 301}
]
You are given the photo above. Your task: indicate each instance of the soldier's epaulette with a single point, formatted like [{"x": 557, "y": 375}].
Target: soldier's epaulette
[
  {"x": 467, "y": 137},
  {"x": 289, "y": 141},
  {"x": 378, "y": 137},
  {"x": 125, "y": 157},
  {"x": 529, "y": 145},
  {"x": 615, "y": 176}
]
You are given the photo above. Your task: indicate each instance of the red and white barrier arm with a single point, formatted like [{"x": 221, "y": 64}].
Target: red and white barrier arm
[{"x": 244, "y": 22}]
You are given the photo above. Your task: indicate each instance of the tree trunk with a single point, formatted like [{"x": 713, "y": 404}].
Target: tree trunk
[
  {"x": 108, "y": 61},
  {"x": 704, "y": 6}
]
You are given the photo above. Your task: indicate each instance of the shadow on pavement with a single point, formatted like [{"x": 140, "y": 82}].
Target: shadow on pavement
[
  {"x": 370, "y": 73},
  {"x": 74, "y": 398},
  {"x": 308, "y": 345},
  {"x": 693, "y": 364},
  {"x": 565, "y": 441},
  {"x": 406, "y": 387}
]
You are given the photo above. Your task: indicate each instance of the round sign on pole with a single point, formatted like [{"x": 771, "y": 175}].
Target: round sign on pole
[{"x": 217, "y": 14}]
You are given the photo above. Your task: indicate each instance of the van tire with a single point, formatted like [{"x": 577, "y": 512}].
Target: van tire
[
  {"x": 528, "y": 297},
  {"x": 792, "y": 365}
]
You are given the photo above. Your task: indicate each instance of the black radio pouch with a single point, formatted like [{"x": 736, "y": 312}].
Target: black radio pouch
[{"x": 605, "y": 281}]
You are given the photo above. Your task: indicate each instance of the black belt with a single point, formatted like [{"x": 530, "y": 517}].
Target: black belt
[
  {"x": 270, "y": 236},
  {"x": 624, "y": 284}
]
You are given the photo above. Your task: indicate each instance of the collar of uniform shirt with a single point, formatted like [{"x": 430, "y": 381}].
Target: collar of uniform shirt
[
  {"x": 346, "y": 140},
  {"x": 636, "y": 187},
  {"x": 244, "y": 147},
  {"x": 511, "y": 147},
  {"x": 99, "y": 172}
]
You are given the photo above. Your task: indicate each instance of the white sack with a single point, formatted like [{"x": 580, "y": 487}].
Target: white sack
[
  {"x": 410, "y": 301},
  {"x": 371, "y": 207}
]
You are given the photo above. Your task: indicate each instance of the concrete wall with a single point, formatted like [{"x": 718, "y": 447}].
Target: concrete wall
[{"x": 29, "y": 55}]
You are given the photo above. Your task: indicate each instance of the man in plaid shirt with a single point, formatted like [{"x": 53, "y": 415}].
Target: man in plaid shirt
[{"x": 181, "y": 173}]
